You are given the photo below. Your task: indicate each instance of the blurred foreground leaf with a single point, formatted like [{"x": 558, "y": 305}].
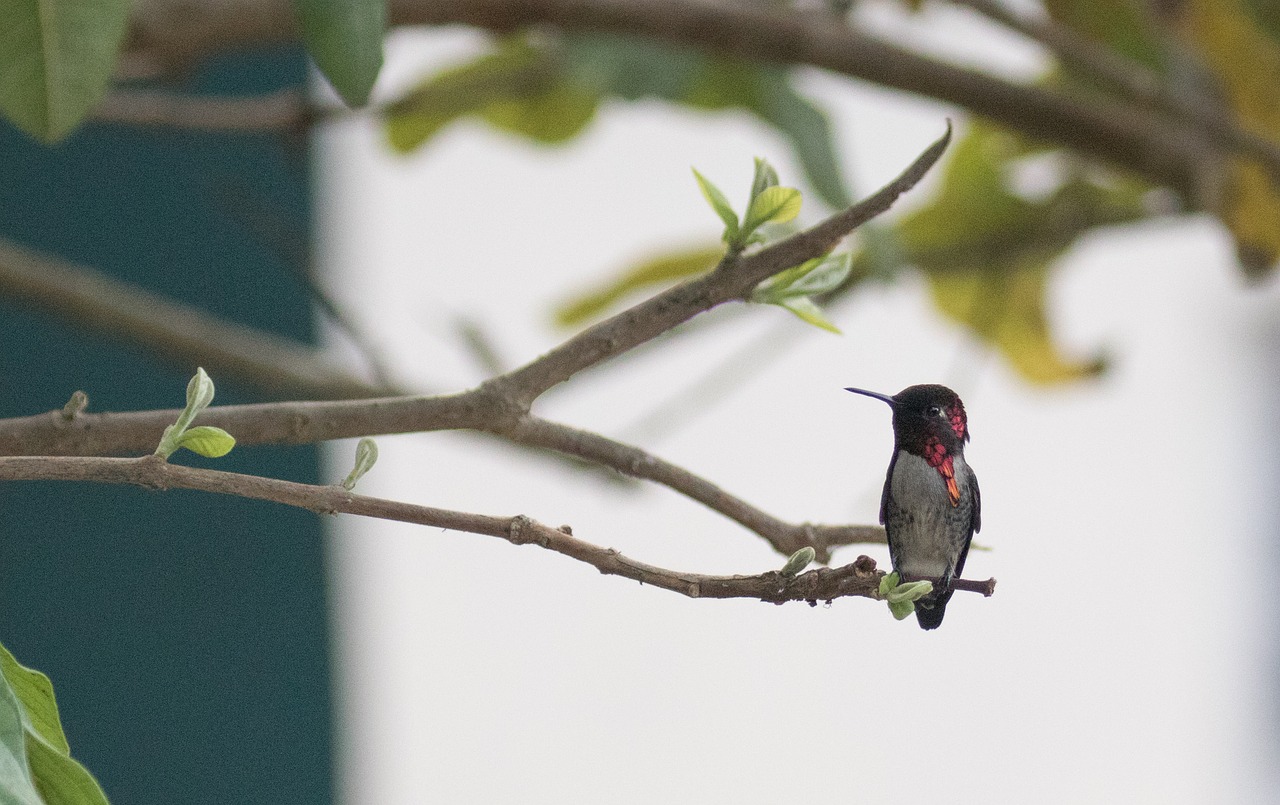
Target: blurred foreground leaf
[
  {"x": 656, "y": 272},
  {"x": 988, "y": 250},
  {"x": 344, "y": 37},
  {"x": 517, "y": 88},
  {"x": 56, "y": 57},
  {"x": 36, "y": 767},
  {"x": 548, "y": 89},
  {"x": 1245, "y": 59}
]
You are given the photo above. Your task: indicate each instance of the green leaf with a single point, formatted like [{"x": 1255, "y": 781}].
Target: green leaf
[
  {"x": 901, "y": 609},
  {"x": 721, "y": 205},
  {"x": 808, "y": 311},
  {"x": 824, "y": 277},
  {"x": 806, "y": 127},
  {"x": 764, "y": 178},
  {"x": 366, "y": 457},
  {"x": 1124, "y": 26},
  {"x": 16, "y": 783},
  {"x": 987, "y": 250},
  {"x": 887, "y": 582},
  {"x": 657, "y": 271},
  {"x": 774, "y": 205},
  {"x": 345, "y": 39},
  {"x": 798, "y": 561},
  {"x": 811, "y": 278},
  {"x": 518, "y": 88},
  {"x": 200, "y": 391},
  {"x": 207, "y": 441},
  {"x": 56, "y": 58},
  {"x": 633, "y": 68},
  {"x": 34, "y": 755},
  {"x": 35, "y": 691},
  {"x": 1266, "y": 16},
  {"x": 1242, "y": 58},
  {"x": 553, "y": 116},
  {"x": 910, "y": 591}
]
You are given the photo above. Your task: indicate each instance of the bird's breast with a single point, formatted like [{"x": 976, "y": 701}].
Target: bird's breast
[{"x": 926, "y": 531}]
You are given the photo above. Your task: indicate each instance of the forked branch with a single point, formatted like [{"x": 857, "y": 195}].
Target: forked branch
[
  {"x": 861, "y": 578},
  {"x": 502, "y": 405}
]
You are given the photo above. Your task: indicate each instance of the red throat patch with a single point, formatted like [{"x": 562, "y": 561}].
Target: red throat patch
[
  {"x": 949, "y": 474},
  {"x": 939, "y": 459}
]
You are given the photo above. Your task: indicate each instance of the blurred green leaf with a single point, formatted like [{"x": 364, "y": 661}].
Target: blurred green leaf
[
  {"x": 553, "y": 116},
  {"x": 658, "y": 271},
  {"x": 808, "y": 311},
  {"x": 549, "y": 89},
  {"x": 34, "y": 755},
  {"x": 774, "y": 205},
  {"x": 721, "y": 206},
  {"x": 1266, "y": 16},
  {"x": 811, "y": 278},
  {"x": 16, "y": 783},
  {"x": 518, "y": 88},
  {"x": 987, "y": 249},
  {"x": 1244, "y": 58},
  {"x": 763, "y": 178},
  {"x": 1125, "y": 26},
  {"x": 56, "y": 57},
  {"x": 345, "y": 39}
]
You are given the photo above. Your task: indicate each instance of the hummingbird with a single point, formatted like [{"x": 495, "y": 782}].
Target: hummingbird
[{"x": 930, "y": 507}]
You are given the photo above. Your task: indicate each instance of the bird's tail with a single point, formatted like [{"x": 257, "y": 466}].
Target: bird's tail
[{"x": 931, "y": 608}]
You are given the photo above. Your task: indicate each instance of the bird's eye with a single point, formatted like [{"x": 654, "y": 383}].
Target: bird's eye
[{"x": 934, "y": 411}]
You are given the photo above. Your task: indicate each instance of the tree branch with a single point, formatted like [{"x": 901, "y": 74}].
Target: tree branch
[
  {"x": 734, "y": 279},
  {"x": 283, "y": 110},
  {"x": 186, "y": 334},
  {"x": 861, "y": 578},
  {"x": 785, "y": 537},
  {"x": 499, "y": 406},
  {"x": 175, "y": 32},
  {"x": 1131, "y": 79}
]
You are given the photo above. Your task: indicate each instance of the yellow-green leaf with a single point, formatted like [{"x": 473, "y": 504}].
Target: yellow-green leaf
[
  {"x": 776, "y": 205},
  {"x": 207, "y": 441},
  {"x": 1246, "y": 62},
  {"x": 34, "y": 755},
  {"x": 56, "y": 58},
  {"x": 661, "y": 270},
  {"x": 987, "y": 249},
  {"x": 720, "y": 204},
  {"x": 553, "y": 116},
  {"x": 517, "y": 88},
  {"x": 808, "y": 311},
  {"x": 1006, "y": 310}
]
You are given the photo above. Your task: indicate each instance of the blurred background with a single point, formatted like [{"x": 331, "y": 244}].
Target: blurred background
[{"x": 1111, "y": 332}]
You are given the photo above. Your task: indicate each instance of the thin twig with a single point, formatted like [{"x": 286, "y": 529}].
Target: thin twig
[{"x": 861, "y": 578}]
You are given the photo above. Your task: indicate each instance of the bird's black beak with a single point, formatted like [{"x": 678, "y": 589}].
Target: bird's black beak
[{"x": 876, "y": 394}]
